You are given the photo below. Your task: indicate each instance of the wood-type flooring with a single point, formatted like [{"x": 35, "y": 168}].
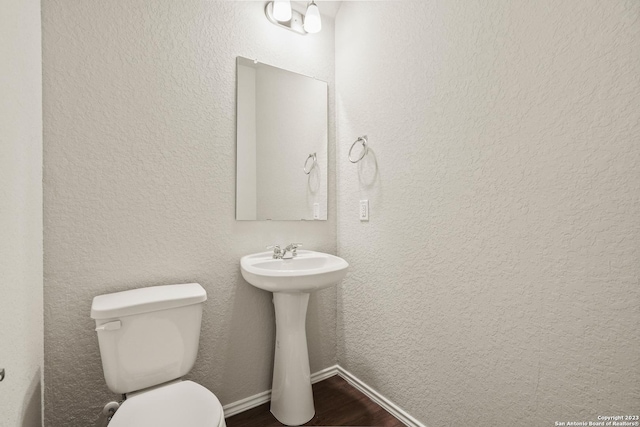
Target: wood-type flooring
[{"x": 337, "y": 403}]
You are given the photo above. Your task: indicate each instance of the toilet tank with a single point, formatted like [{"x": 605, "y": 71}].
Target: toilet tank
[{"x": 148, "y": 336}]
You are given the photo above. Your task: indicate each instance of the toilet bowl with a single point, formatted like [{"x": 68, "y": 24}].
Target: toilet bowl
[
  {"x": 179, "y": 404},
  {"x": 148, "y": 340}
]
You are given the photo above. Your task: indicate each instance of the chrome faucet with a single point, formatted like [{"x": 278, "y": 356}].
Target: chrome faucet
[
  {"x": 293, "y": 248},
  {"x": 279, "y": 253}
]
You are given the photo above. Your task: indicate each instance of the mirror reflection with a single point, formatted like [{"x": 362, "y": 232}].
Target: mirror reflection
[{"x": 282, "y": 139}]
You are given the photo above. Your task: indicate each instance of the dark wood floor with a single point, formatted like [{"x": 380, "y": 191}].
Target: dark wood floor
[{"x": 337, "y": 404}]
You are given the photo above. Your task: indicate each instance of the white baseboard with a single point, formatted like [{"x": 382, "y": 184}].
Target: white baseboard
[
  {"x": 258, "y": 399},
  {"x": 324, "y": 374},
  {"x": 245, "y": 404},
  {"x": 264, "y": 397},
  {"x": 388, "y": 405}
]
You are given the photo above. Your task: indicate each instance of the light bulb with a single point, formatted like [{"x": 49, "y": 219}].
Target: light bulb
[
  {"x": 282, "y": 10},
  {"x": 312, "y": 21}
]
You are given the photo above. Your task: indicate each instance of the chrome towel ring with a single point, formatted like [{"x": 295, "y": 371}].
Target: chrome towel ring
[
  {"x": 363, "y": 141},
  {"x": 314, "y": 159}
]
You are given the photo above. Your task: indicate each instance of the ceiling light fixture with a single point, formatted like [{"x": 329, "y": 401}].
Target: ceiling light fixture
[
  {"x": 282, "y": 10},
  {"x": 277, "y": 10},
  {"x": 312, "y": 21}
]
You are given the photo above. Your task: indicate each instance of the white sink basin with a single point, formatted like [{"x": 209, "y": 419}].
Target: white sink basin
[
  {"x": 307, "y": 272},
  {"x": 292, "y": 281}
]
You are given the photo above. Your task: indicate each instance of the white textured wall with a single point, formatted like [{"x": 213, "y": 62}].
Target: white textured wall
[
  {"x": 139, "y": 109},
  {"x": 21, "y": 345},
  {"x": 497, "y": 281}
]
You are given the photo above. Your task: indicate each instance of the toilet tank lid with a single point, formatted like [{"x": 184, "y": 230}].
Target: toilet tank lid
[{"x": 144, "y": 300}]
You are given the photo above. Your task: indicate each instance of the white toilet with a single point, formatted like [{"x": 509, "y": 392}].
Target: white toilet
[{"x": 148, "y": 340}]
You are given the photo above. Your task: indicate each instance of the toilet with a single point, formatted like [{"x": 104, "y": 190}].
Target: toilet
[{"x": 148, "y": 340}]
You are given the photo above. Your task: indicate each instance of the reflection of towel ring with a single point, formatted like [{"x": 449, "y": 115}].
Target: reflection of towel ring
[
  {"x": 314, "y": 159},
  {"x": 363, "y": 140}
]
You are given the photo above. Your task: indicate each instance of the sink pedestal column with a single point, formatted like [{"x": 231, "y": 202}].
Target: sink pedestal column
[{"x": 291, "y": 395}]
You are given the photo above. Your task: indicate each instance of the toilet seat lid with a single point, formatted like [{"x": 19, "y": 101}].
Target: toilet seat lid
[{"x": 179, "y": 404}]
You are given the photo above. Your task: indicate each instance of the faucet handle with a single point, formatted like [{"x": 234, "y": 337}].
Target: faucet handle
[
  {"x": 277, "y": 252},
  {"x": 293, "y": 247}
]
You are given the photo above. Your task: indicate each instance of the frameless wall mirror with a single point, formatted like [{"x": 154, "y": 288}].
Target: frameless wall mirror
[{"x": 282, "y": 139}]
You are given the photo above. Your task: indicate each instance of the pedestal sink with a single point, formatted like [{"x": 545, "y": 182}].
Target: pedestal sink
[{"x": 291, "y": 281}]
